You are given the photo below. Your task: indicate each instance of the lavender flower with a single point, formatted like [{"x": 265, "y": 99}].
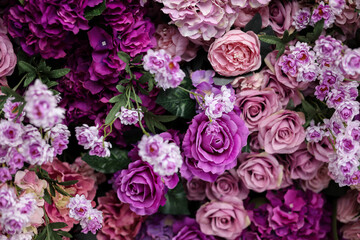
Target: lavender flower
[
  {"x": 87, "y": 136},
  {"x": 129, "y": 116},
  {"x": 288, "y": 64},
  {"x": 5, "y": 174},
  {"x": 302, "y": 19},
  {"x": 101, "y": 148},
  {"x": 11, "y": 110},
  {"x": 59, "y": 136},
  {"x": 93, "y": 222},
  {"x": 327, "y": 50},
  {"x": 337, "y": 6},
  {"x": 79, "y": 207},
  {"x": 223, "y": 102},
  {"x": 347, "y": 110},
  {"x": 350, "y": 62},
  {"x": 10, "y": 133},
  {"x": 323, "y": 12},
  {"x": 7, "y": 198},
  {"x": 315, "y": 133}
]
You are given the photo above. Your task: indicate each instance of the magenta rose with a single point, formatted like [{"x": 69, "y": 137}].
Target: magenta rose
[
  {"x": 281, "y": 15},
  {"x": 141, "y": 188},
  {"x": 222, "y": 219},
  {"x": 195, "y": 189},
  {"x": 7, "y": 56},
  {"x": 319, "y": 182},
  {"x": 235, "y": 53},
  {"x": 303, "y": 165},
  {"x": 282, "y": 132},
  {"x": 255, "y": 105},
  {"x": 260, "y": 171},
  {"x": 215, "y": 145},
  {"x": 189, "y": 229},
  {"x": 227, "y": 187}
]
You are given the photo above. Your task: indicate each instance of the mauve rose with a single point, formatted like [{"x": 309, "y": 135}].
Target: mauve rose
[
  {"x": 195, "y": 189},
  {"x": 227, "y": 187},
  {"x": 141, "y": 188},
  {"x": 281, "y": 15},
  {"x": 254, "y": 81},
  {"x": 255, "y": 105},
  {"x": 235, "y": 53},
  {"x": 348, "y": 208},
  {"x": 260, "y": 171},
  {"x": 169, "y": 38},
  {"x": 29, "y": 181},
  {"x": 188, "y": 229},
  {"x": 282, "y": 132},
  {"x": 247, "y": 13},
  {"x": 7, "y": 56},
  {"x": 223, "y": 219},
  {"x": 303, "y": 165},
  {"x": 215, "y": 145},
  {"x": 348, "y": 21},
  {"x": 321, "y": 150},
  {"x": 119, "y": 221},
  {"x": 319, "y": 182},
  {"x": 351, "y": 231}
]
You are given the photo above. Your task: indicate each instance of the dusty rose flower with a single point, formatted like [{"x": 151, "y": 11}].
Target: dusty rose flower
[
  {"x": 256, "y": 105},
  {"x": 247, "y": 13},
  {"x": 227, "y": 187},
  {"x": 254, "y": 142},
  {"x": 260, "y": 171},
  {"x": 348, "y": 21},
  {"x": 282, "y": 132},
  {"x": 29, "y": 181},
  {"x": 319, "y": 182},
  {"x": 235, "y": 53},
  {"x": 254, "y": 81},
  {"x": 281, "y": 15},
  {"x": 222, "y": 219},
  {"x": 84, "y": 169},
  {"x": 7, "y": 56},
  {"x": 321, "y": 150},
  {"x": 195, "y": 189},
  {"x": 119, "y": 221},
  {"x": 348, "y": 208},
  {"x": 351, "y": 231},
  {"x": 303, "y": 165}
]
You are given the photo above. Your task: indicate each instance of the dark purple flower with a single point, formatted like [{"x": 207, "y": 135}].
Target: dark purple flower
[{"x": 189, "y": 229}]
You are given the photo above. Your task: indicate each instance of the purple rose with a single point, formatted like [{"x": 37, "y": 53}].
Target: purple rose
[
  {"x": 7, "y": 56},
  {"x": 214, "y": 146},
  {"x": 195, "y": 189},
  {"x": 189, "y": 229},
  {"x": 141, "y": 188}
]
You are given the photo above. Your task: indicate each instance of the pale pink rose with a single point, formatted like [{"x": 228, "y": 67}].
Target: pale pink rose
[
  {"x": 260, "y": 171},
  {"x": 227, "y": 187},
  {"x": 254, "y": 81},
  {"x": 222, "y": 219},
  {"x": 235, "y": 53},
  {"x": 37, "y": 218},
  {"x": 282, "y": 132},
  {"x": 303, "y": 165},
  {"x": 195, "y": 189},
  {"x": 321, "y": 150},
  {"x": 247, "y": 13},
  {"x": 254, "y": 142},
  {"x": 281, "y": 15},
  {"x": 7, "y": 56},
  {"x": 169, "y": 38},
  {"x": 29, "y": 181},
  {"x": 256, "y": 105},
  {"x": 319, "y": 182},
  {"x": 351, "y": 231},
  {"x": 348, "y": 208}
]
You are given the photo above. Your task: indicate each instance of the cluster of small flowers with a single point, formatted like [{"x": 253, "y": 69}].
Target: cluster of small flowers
[
  {"x": 164, "y": 156},
  {"x": 166, "y": 69},
  {"x": 89, "y": 138},
  {"x": 129, "y": 116},
  {"x": 217, "y": 104},
  {"x": 81, "y": 210},
  {"x": 15, "y": 212},
  {"x": 328, "y": 12},
  {"x": 41, "y": 106}
]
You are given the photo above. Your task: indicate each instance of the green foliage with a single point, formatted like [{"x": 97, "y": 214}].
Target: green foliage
[
  {"x": 152, "y": 121},
  {"x": 90, "y": 13},
  {"x": 315, "y": 34},
  {"x": 254, "y": 24},
  {"x": 118, "y": 160},
  {"x": 279, "y": 42},
  {"x": 314, "y": 110},
  {"x": 49, "y": 232},
  {"x": 176, "y": 202}
]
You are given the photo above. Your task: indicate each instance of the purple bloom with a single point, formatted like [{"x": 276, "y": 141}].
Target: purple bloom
[
  {"x": 335, "y": 97},
  {"x": 288, "y": 64},
  {"x": 156, "y": 227},
  {"x": 327, "y": 49},
  {"x": 11, "y": 110},
  {"x": 59, "y": 136},
  {"x": 200, "y": 76},
  {"x": 346, "y": 146},
  {"x": 93, "y": 222},
  {"x": 189, "y": 229},
  {"x": 100, "y": 148},
  {"x": 10, "y": 133},
  {"x": 323, "y": 12},
  {"x": 36, "y": 151},
  {"x": 130, "y": 116},
  {"x": 321, "y": 91},
  {"x": 302, "y": 19},
  {"x": 87, "y": 136},
  {"x": 350, "y": 62},
  {"x": 7, "y": 198},
  {"x": 314, "y": 133},
  {"x": 15, "y": 160},
  {"x": 79, "y": 207},
  {"x": 347, "y": 110},
  {"x": 13, "y": 222},
  {"x": 5, "y": 175}
]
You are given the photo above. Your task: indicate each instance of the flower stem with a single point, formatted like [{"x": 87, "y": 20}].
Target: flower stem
[{"x": 138, "y": 107}]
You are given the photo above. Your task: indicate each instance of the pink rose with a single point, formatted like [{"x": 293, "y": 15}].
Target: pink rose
[
  {"x": 303, "y": 165},
  {"x": 286, "y": 180},
  {"x": 348, "y": 21},
  {"x": 282, "y": 132},
  {"x": 227, "y": 187},
  {"x": 247, "y": 13},
  {"x": 169, "y": 38},
  {"x": 222, "y": 219},
  {"x": 195, "y": 189},
  {"x": 256, "y": 105},
  {"x": 348, "y": 208},
  {"x": 260, "y": 171},
  {"x": 281, "y": 15},
  {"x": 319, "y": 182},
  {"x": 119, "y": 221},
  {"x": 29, "y": 181},
  {"x": 7, "y": 56},
  {"x": 351, "y": 231},
  {"x": 235, "y": 53},
  {"x": 321, "y": 150},
  {"x": 254, "y": 142},
  {"x": 254, "y": 81}
]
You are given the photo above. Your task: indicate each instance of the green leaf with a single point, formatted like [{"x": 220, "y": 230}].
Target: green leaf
[
  {"x": 120, "y": 88},
  {"x": 146, "y": 77},
  {"x": 9, "y": 92},
  {"x": 281, "y": 50},
  {"x": 166, "y": 118},
  {"x": 57, "y": 225},
  {"x": 177, "y": 102},
  {"x": 68, "y": 183},
  {"x": 41, "y": 235},
  {"x": 119, "y": 98},
  {"x": 58, "y": 73},
  {"x": 302, "y": 38},
  {"x": 137, "y": 58},
  {"x": 176, "y": 202},
  {"x": 254, "y": 24},
  {"x": 222, "y": 81},
  {"x": 111, "y": 116},
  {"x": 118, "y": 160},
  {"x": 319, "y": 26},
  {"x": 270, "y": 39},
  {"x": 124, "y": 57},
  {"x": 26, "y": 67},
  {"x": 135, "y": 97},
  {"x": 29, "y": 78},
  {"x": 151, "y": 84},
  {"x": 95, "y": 11},
  {"x": 52, "y": 190},
  {"x": 63, "y": 233},
  {"x": 47, "y": 197},
  {"x": 51, "y": 84}
]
